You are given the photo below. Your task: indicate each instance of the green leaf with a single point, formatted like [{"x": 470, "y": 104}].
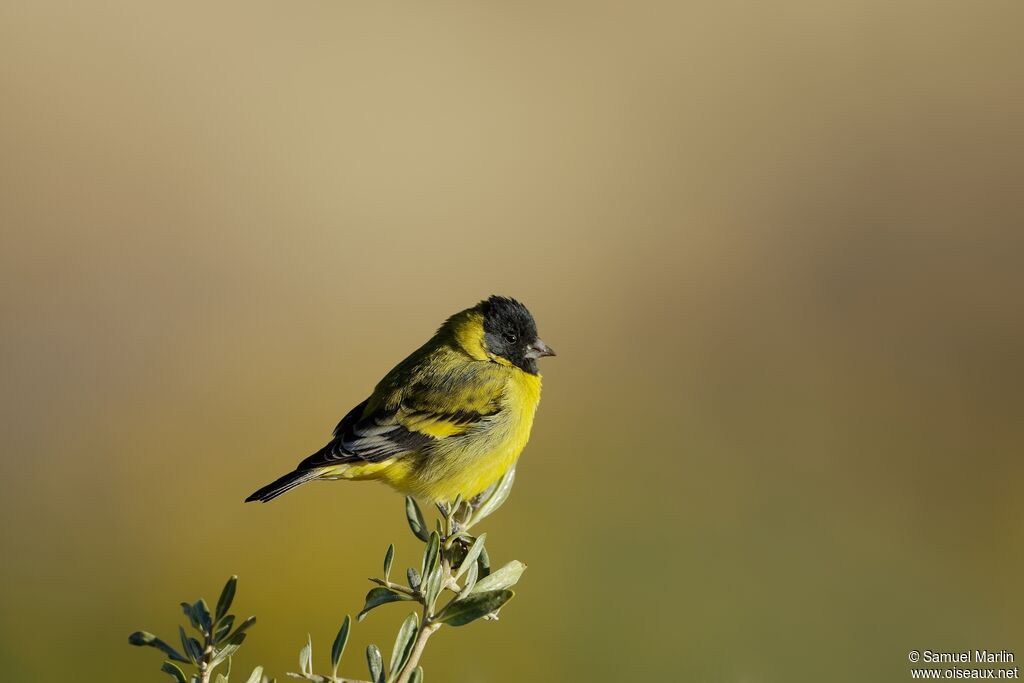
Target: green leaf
[
  {"x": 191, "y": 646},
  {"x": 403, "y": 644},
  {"x": 417, "y": 675},
  {"x": 375, "y": 663},
  {"x": 228, "y": 650},
  {"x": 242, "y": 628},
  {"x": 470, "y": 582},
  {"x": 485, "y": 563},
  {"x": 223, "y": 628},
  {"x": 142, "y": 638},
  {"x": 432, "y": 587},
  {"x": 414, "y": 578},
  {"x": 221, "y": 678},
  {"x": 202, "y": 612},
  {"x": 460, "y": 535},
  {"x": 415, "y": 517},
  {"x": 175, "y": 672},
  {"x": 461, "y": 612},
  {"x": 449, "y": 514},
  {"x": 256, "y": 676},
  {"x": 431, "y": 553},
  {"x": 190, "y": 613},
  {"x": 380, "y": 596},
  {"x": 338, "y": 648},
  {"x": 306, "y": 656},
  {"x": 471, "y": 555},
  {"x": 506, "y": 577},
  {"x": 496, "y": 498},
  {"x": 389, "y": 557},
  {"x": 226, "y": 597}
]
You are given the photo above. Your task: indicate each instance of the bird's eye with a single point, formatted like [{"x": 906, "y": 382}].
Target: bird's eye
[{"x": 510, "y": 337}]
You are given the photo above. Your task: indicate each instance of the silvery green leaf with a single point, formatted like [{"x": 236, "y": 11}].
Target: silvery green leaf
[
  {"x": 380, "y": 596},
  {"x": 191, "y": 614},
  {"x": 202, "y": 612},
  {"x": 431, "y": 553},
  {"x": 223, "y": 628},
  {"x": 221, "y": 678},
  {"x": 506, "y": 577},
  {"x": 452, "y": 510},
  {"x": 256, "y": 676},
  {"x": 306, "y": 656},
  {"x": 389, "y": 557},
  {"x": 191, "y": 646},
  {"x": 375, "y": 663},
  {"x": 196, "y": 649},
  {"x": 415, "y": 517},
  {"x": 142, "y": 638},
  {"x": 471, "y": 555},
  {"x": 242, "y": 628},
  {"x": 226, "y": 597},
  {"x": 432, "y": 587},
  {"x": 459, "y": 535},
  {"x": 175, "y": 672},
  {"x": 496, "y": 498},
  {"x": 470, "y": 582},
  {"x": 461, "y": 612},
  {"x": 417, "y": 675},
  {"x": 339, "y": 645},
  {"x": 414, "y": 578},
  {"x": 228, "y": 650},
  {"x": 403, "y": 644}
]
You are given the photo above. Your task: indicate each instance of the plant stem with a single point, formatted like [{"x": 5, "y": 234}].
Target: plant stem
[
  {"x": 395, "y": 587},
  {"x": 426, "y": 630},
  {"x": 204, "y": 663},
  {"x": 337, "y": 679}
]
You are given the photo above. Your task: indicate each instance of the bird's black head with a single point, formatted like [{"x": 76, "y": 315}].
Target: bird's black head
[{"x": 511, "y": 333}]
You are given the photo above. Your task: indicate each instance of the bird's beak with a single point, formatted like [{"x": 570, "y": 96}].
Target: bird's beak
[{"x": 538, "y": 349}]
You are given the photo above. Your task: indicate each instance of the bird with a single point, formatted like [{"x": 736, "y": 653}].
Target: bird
[{"x": 446, "y": 422}]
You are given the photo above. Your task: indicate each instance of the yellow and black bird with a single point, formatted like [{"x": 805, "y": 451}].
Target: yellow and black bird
[{"x": 448, "y": 420}]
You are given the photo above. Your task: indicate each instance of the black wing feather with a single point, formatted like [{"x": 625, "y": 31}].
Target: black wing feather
[{"x": 370, "y": 438}]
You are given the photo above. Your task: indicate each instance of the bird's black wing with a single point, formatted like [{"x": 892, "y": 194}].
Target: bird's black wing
[{"x": 384, "y": 434}]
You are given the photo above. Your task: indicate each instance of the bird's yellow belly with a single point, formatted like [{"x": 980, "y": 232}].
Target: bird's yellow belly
[
  {"x": 469, "y": 463},
  {"x": 469, "y": 474}
]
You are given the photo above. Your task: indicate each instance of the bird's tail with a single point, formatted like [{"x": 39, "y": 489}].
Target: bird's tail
[{"x": 283, "y": 485}]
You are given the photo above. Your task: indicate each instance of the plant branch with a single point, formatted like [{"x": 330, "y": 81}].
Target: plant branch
[
  {"x": 205, "y": 670},
  {"x": 397, "y": 587},
  {"x": 326, "y": 679},
  {"x": 426, "y": 630}
]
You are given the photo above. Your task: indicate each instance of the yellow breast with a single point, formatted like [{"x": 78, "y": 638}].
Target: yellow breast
[{"x": 467, "y": 464}]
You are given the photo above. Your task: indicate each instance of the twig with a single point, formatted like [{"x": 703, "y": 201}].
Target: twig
[{"x": 426, "y": 630}]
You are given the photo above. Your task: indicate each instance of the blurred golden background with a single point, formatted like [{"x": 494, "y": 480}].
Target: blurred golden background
[{"x": 778, "y": 247}]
